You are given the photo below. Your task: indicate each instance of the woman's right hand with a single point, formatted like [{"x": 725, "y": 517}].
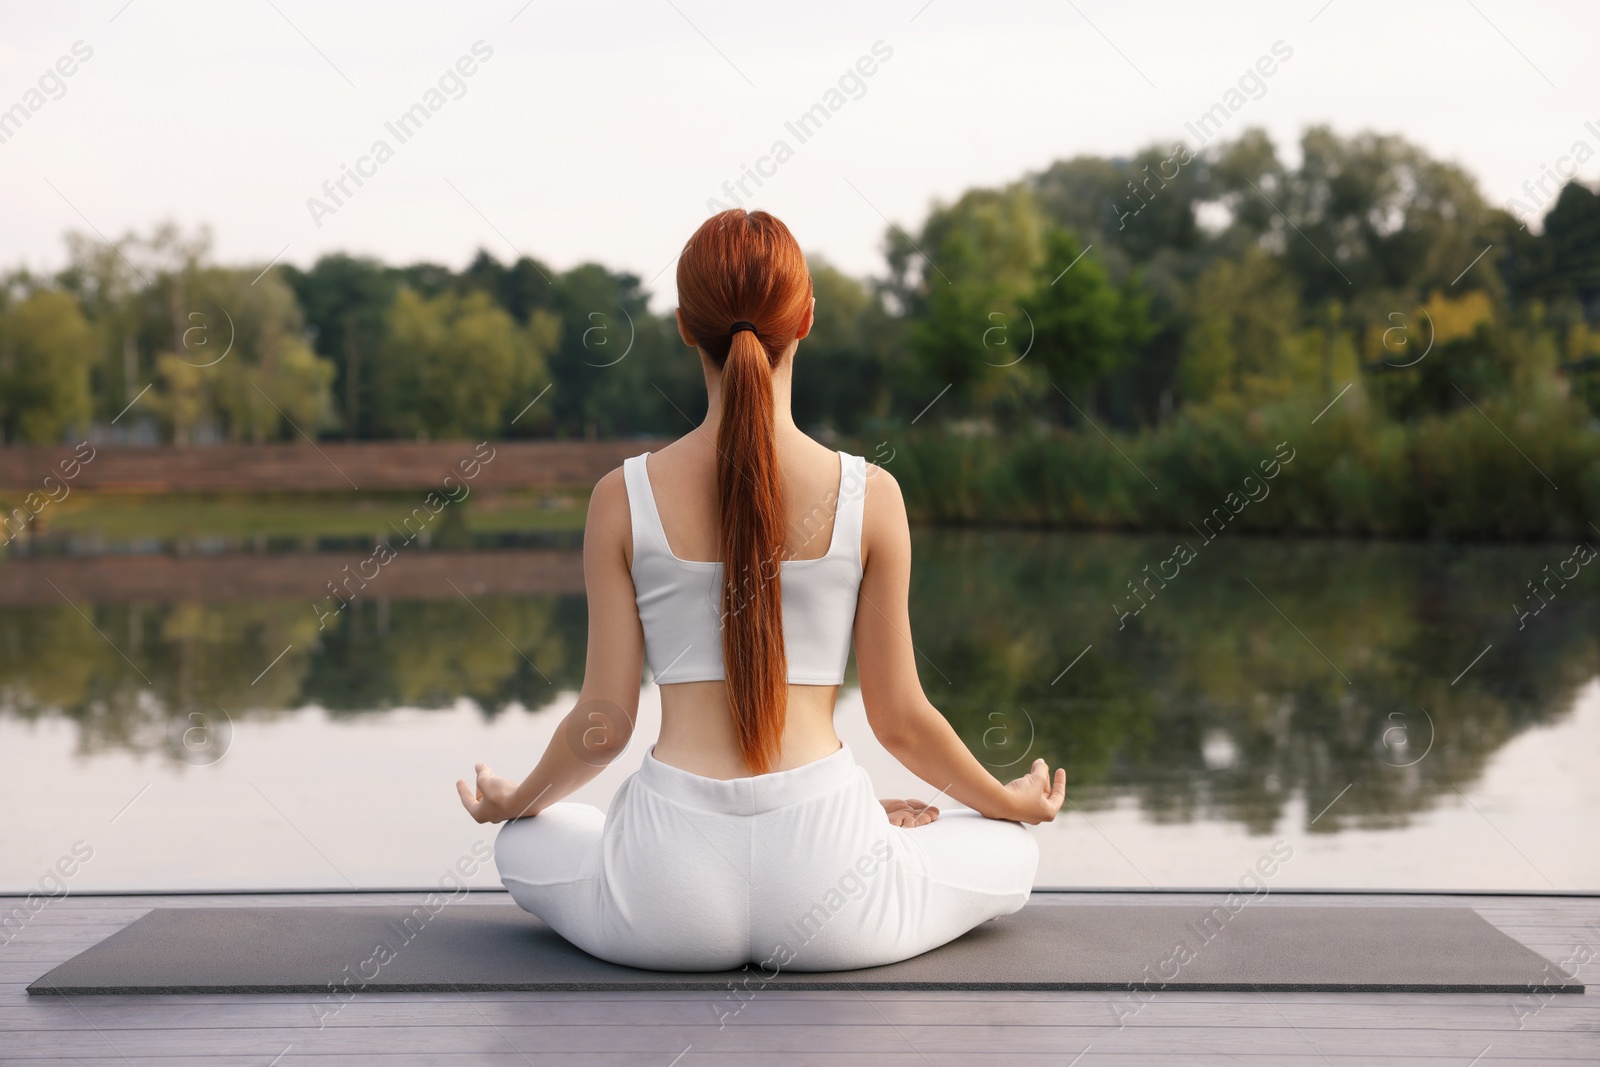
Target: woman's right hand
[
  {"x": 1036, "y": 797},
  {"x": 490, "y": 800}
]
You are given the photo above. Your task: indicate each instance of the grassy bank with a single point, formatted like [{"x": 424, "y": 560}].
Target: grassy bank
[
  {"x": 1528, "y": 471},
  {"x": 126, "y": 516},
  {"x": 1499, "y": 473}
]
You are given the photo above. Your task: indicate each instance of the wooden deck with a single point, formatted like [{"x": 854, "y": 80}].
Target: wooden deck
[{"x": 814, "y": 1029}]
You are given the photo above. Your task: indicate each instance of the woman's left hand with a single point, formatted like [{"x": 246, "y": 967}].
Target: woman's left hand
[
  {"x": 909, "y": 812},
  {"x": 491, "y": 801}
]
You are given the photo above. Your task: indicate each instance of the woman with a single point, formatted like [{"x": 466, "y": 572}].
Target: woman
[{"x": 741, "y": 558}]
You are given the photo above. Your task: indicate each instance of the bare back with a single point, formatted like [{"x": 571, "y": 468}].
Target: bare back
[{"x": 696, "y": 726}]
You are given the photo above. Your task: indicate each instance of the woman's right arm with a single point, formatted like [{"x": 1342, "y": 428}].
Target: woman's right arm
[{"x": 898, "y": 711}]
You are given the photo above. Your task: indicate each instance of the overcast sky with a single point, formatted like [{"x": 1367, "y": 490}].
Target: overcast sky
[{"x": 599, "y": 131}]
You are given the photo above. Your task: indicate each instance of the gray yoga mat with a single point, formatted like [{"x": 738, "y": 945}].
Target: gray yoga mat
[{"x": 335, "y": 951}]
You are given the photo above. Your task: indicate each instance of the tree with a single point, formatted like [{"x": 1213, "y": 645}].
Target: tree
[
  {"x": 522, "y": 288},
  {"x": 461, "y": 366},
  {"x": 109, "y": 290},
  {"x": 1242, "y": 338},
  {"x": 1140, "y": 215},
  {"x": 236, "y": 360},
  {"x": 1361, "y": 213},
  {"x": 620, "y": 369},
  {"x": 1083, "y": 326},
  {"x": 982, "y": 254},
  {"x": 346, "y": 301},
  {"x": 277, "y": 386},
  {"x": 845, "y": 368},
  {"x": 1132, "y": 209},
  {"x": 1571, "y": 249},
  {"x": 46, "y": 348}
]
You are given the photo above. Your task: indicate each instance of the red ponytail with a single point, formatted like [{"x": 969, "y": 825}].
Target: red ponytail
[{"x": 747, "y": 265}]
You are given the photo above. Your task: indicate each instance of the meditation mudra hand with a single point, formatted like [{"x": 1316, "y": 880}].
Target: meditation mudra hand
[
  {"x": 491, "y": 801},
  {"x": 1038, "y": 797},
  {"x": 909, "y": 812}
]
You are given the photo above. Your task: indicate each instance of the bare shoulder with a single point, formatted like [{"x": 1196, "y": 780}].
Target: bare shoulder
[
  {"x": 610, "y": 494},
  {"x": 885, "y": 532},
  {"x": 883, "y": 492},
  {"x": 609, "y": 522}
]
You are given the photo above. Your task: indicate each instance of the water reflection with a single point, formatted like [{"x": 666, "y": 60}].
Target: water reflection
[
  {"x": 1352, "y": 675},
  {"x": 1264, "y": 670}
]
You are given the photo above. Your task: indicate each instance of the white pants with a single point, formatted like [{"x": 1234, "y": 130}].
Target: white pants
[{"x": 794, "y": 870}]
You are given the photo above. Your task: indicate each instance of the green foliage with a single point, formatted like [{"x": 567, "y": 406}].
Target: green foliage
[
  {"x": 346, "y": 302},
  {"x": 848, "y": 368},
  {"x": 1242, "y": 341},
  {"x": 1353, "y": 472},
  {"x": 1566, "y": 260},
  {"x": 619, "y": 368},
  {"x": 1370, "y": 212},
  {"x": 1084, "y": 327},
  {"x": 982, "y": 253},
  {"x": 237, "y": 359},
  {"x": 461, "y": 366},
  {"x": 46, "y": 347}
]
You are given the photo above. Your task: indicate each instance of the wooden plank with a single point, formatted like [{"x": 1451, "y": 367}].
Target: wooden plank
[
  {"x": 87, "y": 1013},
  {"x": 975, "y": 1039},
  {"x": 14, "y": 999},
  {"x": 294, "y": 898},
  {"x": 1177, "y": 1057},
  {"x": 1187, "y": 1058}
]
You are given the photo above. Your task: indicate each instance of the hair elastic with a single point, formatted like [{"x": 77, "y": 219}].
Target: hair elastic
[{"x": 743, "y": 325}]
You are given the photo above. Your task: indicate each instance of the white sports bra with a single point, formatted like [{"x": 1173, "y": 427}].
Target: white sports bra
[{"x": 680, "y": 600}]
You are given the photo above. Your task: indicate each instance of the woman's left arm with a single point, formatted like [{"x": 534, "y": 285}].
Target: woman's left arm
[{"x": 599, "y": 727}]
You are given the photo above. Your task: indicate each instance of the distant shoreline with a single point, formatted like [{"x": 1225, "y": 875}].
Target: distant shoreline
[{"x": 323, "y": 466}]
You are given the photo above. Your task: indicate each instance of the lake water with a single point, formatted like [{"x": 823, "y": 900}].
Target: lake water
[{"x": 1397, "y": 714}]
